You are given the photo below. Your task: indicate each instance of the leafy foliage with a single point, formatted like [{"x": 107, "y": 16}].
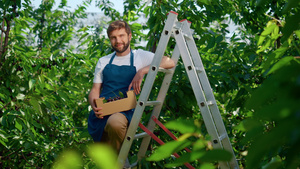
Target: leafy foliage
[{"x": 254, "y": 73}]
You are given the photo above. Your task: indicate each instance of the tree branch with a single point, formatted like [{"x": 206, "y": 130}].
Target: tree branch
[
  {"x": 5, "y": 39},
  {"x": 2, "y": 32}
]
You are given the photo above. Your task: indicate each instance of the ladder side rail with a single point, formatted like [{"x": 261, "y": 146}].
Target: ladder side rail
[
  {"x": 172, "y": 17},
  {"x": 204, "y": 81},
  {"x": 157, "y": 109},
  {"x": 191, "y": 72},
  {"x": 209, "y": 95},
  {"x": 198, "y": 92}
]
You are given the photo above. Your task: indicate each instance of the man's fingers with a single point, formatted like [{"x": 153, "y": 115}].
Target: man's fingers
[
  {"x": 98, "y": 114},
  {"x": 129, "y": 88}
]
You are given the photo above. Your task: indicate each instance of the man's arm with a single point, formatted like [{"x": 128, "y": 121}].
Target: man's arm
[
  {"x": 166, "y": 63},
  {"x": 94, "y": 94}
]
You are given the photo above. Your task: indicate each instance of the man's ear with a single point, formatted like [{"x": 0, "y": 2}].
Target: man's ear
[{"x": 130, "y": 36}]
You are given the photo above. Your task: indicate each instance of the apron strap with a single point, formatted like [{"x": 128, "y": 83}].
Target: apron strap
[
  {"x": 131, "y": 58},
  {"x": 112, "y": 58}
]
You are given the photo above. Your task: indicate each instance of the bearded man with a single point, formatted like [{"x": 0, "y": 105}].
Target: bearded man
[{"x": 119, "y": 71}]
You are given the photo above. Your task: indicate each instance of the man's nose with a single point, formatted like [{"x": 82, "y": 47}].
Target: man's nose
[{"x": 118, "y": 39}]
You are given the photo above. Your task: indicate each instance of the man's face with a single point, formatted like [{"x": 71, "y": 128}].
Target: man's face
[{"x": 120, "y": 40}]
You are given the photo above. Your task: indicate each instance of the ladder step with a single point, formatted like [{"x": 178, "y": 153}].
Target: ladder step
[
  {"x": 198, "y": 69},
  {"x": 167, "y": 71},
  {"x": 152, "y": 103},
  {"x": 223, "y": 136},
  {"x": 141, "y": 135},
  {"x": 210, "y": 103},
  {"x": 187, "y": 36}
]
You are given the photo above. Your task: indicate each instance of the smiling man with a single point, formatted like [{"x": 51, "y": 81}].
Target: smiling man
[{"x": 119, "y": 71}]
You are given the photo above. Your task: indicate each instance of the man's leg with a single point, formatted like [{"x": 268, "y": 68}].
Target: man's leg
[{"x": 115, "y": 130}]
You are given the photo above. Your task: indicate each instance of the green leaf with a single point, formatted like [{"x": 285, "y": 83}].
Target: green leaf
[
  {"x": 219, "y": 39},
  {"x": 203, "y": 156},
  {"x": 3, "y": 143},
  {"x": 31, "y": 83},
  {"x": 33, "y": 130},
  {"x": 207, "y": 2},
  {"x": 68, "y": 159},
  {"x": 103, "y": 156},
  {"x": 276, "y": 162},
  {"x": 37, "y": 125},
  {"x": 298, "y": 33},
  {"x": 18, "y": 126},
  {"x": 3, "y": 138},
  {"x": 260, "y": 40},
  {"x": 216, "y": 155},
  {"x": 183, "y": 126},
  {"x": 63, "y": 95},
  {"x": 83, "y": 70},
  {"x": 211, "y": 42},
  {"x": 274, "y": 56},
  {"x": 269, "y": 29},
  {"x": 20, "y": 96},
  {"x": 292, "y": 24},
  {"x": 83, "y": 36},
  {"x": 35, "y": 104},
  {"x": 207, "y": 166},
  {"x": 166, "y": 150},
  {"x": 265, "y": 46},
  {"x": 290, "y": 4},
  {"x": 283, "y": 62}
]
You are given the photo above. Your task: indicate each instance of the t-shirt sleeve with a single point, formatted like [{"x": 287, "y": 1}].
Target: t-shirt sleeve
[
  {"x": 147, "y": 57},
  {"x": 98, "y": 73}
]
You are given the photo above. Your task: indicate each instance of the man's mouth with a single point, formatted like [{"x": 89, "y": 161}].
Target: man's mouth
[{"x": 119, "y": 45}]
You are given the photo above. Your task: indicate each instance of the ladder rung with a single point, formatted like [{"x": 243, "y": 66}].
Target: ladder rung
[
  {"x": 198, "y": 69},
  {"x": 187, "y": 36},
  {"x": 210, "y": 103},
  {"x": 141, "y": 135},
  {"x": 165, "y": 70},
  {"x": 222, "y": 136},
  {"x": 152, "y": 103}
]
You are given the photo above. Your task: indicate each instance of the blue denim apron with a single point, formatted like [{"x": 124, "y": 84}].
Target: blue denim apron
[{"x": 115, "y": 79}]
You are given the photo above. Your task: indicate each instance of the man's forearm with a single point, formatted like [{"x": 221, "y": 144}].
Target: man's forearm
[
  {"x": 92, "y": 96},
  {"x": 167, "y": 63}
]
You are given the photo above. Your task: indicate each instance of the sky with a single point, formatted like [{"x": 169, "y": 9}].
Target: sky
[
  {"x": 73, "y": 4},
  {"x": 117, "y": 5}
]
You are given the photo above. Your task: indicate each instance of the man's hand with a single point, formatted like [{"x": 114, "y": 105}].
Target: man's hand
[
  {"x": 94, "y": 94},
  {"x": 166, "y": 63},
  {"x": 137, "y": 81},
  {"x": 97, "y": 112}
]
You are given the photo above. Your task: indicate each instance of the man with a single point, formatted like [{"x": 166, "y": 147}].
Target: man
[{"x": 121, "y": 70}]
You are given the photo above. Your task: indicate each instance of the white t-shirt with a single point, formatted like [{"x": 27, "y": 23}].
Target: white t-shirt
[{"x": 141, "y": 59}]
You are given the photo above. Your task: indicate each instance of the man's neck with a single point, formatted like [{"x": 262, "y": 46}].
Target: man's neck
[{"x": 126, "y": 52}]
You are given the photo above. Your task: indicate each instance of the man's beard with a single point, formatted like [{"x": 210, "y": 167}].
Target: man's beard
[{"x": 126, "y": 45}]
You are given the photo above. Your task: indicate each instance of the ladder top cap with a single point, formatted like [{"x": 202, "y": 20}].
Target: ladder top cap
[
  {"x": 173, "y": 13},
  {"x": 185, "y": 20}
]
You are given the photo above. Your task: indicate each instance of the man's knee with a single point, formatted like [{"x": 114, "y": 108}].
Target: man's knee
[{"x": 116, "y": 122}]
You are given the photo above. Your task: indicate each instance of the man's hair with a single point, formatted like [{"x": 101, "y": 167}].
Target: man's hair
[{"x": 116, "y": 25}]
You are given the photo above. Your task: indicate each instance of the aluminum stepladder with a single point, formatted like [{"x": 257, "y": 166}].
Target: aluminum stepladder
[{"x": 186, "y": 48}]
